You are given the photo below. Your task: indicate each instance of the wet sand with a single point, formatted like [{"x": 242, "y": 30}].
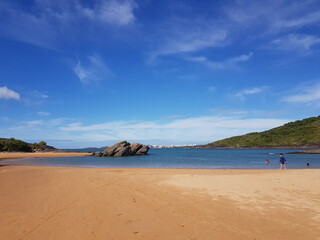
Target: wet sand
[
  {"x": 84, "y": 203},
  {"x": 11, "y": 155}
]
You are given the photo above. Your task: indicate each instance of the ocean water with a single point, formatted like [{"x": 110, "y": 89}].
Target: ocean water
[
  {"x": 84, "y": 149},
  {"x": 184, "y": 158}
]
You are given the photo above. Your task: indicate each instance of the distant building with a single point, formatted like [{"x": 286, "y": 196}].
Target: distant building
[{"x": 172, "y": 146}]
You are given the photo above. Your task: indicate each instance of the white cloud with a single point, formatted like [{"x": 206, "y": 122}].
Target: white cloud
[
  {"x": 56, "y": 20},
  {"x": 193, "y": 41},
  {"x": 181, "y": 37},
  {"x": 295, "y": 42},
  {"x": 116, "y": 12},
  {"x": 241, "y": 22},
  {"x": 38, "y": 95},
  {"x": 46, "y": 127},
  {"x": 203, "y": 129},
  {"x": 279, "y": 24},
  {"x": 112, "y": 12},
  {"x": 226, "y": 64},
  {"x": 274, "y": 16},
  {"x": 198, "y": 129},
  {"x": 305, "y": 94},
  {"x": 26, "y": 27},
  {"x": 34, "y": 123},
  {"x": 35, "y": 97},
  {"x": 299, "y": 21},
  {"x": 250, "y": 91},
  {"x": 93, "y": 72},
  {"x": 6, "y": 93}
]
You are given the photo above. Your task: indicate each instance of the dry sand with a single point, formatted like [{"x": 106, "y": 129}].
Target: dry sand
[
  {"x": 127, "y": 204},
  {"x": 10, "y": 155}
]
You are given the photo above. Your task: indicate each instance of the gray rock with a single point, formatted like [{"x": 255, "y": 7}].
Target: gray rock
[
  {"x": 135, "y": 147},
  {"x": 97, "y": 154},
  {"x": 123, "y": 152},
  {"x": 143, "y": 150},
  {"x": 109, "y": 152},
  {"x": 122, "y": 149}
]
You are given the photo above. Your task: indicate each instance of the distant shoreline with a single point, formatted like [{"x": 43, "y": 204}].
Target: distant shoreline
[{"x": 313, "y": 150}]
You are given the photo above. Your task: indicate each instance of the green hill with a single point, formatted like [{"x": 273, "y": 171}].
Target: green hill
[
  {"x": 15, "y": 145},
  {"x": 303, "y": 133}
]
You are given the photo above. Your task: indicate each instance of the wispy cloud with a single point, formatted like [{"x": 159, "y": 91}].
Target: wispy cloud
[
  {"x": 6, "y": 93},
  {"x": 199, "y": 129},
  {"x": 275, "y": 15},
  {"x": 280, "y": 24},
  {"x": 35, "y": 97},
  {"x": 300, "y": 20},
  {"x": 92, "y": 72},
  {"x": 174, "y": 130},
  {"x": 182, "y": 36},
  {"x": 306, "y": 93},
  {"x": 226, "y": 64},
  {"x": 119, "y": 13},
  {"x": 56, "y": 20},
  {"x": 38, "y": 95},
  {"x": 295, "y": 42},
  {"x": 44, "y": 127},
  {"x": 243, "y": 21},
  {"x": 250, "y": 91}
]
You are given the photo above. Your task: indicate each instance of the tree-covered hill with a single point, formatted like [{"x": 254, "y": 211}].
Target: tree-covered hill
[
  {"x": 302, "y": 133},
  {"x": 15, "y": 145}
]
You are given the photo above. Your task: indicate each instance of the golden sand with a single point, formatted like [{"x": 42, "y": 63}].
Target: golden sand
[{"x": 122, "y": 204}]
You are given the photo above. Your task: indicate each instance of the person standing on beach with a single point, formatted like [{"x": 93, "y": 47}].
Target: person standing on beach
[{"x": 282, "y": 161}]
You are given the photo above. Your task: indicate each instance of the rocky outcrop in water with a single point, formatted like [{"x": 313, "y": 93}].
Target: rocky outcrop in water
[{"x": 123, "y": 149}]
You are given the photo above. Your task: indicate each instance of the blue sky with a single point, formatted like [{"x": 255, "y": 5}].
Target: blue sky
[{"x": 89, "y": 73}]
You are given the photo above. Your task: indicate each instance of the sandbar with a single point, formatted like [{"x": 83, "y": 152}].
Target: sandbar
[{"x": 86, "y": 203}]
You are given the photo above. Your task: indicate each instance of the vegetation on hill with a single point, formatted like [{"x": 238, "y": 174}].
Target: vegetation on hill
[
  {"x": 15, "y": 145},
  {"x": 302, "y": 133}
]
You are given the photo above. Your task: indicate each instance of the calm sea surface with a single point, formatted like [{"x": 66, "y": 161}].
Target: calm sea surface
[{"x": 183, "y": 158}]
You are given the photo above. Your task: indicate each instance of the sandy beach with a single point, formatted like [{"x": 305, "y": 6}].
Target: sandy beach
[
  {"x": 84, "y": 203},
  {"x": 11, "y": 155}
]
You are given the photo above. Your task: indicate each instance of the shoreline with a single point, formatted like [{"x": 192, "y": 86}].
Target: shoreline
[
  {"x": 315, "y": 151},
  {"x": 91, "y": 203},
  {"x": 14, "y": 155}
]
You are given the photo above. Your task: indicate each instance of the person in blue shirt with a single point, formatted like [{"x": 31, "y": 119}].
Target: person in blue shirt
[{"x": 282, "y": 162}]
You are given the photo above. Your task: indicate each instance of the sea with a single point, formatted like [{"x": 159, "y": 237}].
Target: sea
[{"x": 184, "y": 158}]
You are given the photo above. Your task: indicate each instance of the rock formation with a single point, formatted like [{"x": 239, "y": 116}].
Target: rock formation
[{"x": 122, "y": 149}]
